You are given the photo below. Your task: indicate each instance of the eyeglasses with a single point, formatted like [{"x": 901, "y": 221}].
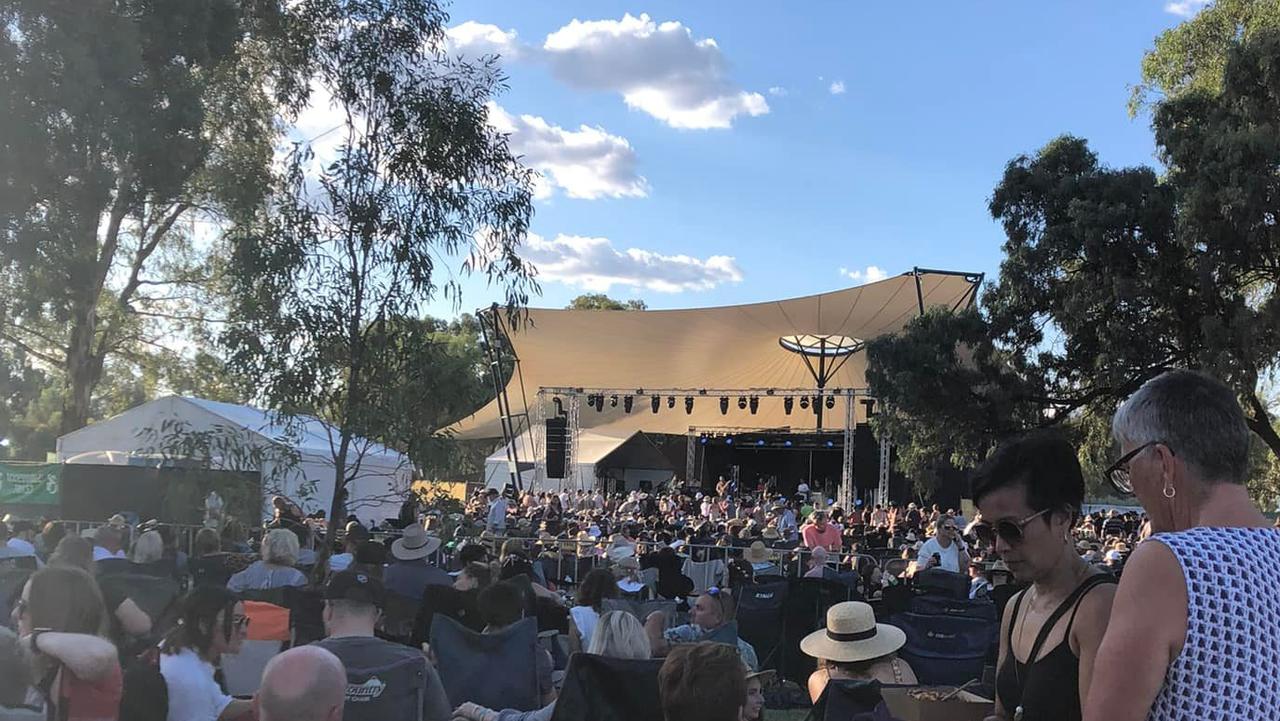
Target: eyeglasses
[
  {"x": 1118, "y": 474},
  {"x": 240, "y": 621},
  {"x": 20, "y": 609},
  {"x": 949, "y": 528},
  {"x": 1011, "y": 532}
]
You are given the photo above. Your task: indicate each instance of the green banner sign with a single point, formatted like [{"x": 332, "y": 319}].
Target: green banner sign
[{"x": 35, "y": 484}]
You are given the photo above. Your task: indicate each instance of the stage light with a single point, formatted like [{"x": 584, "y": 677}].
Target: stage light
[
  {"x": 755, "y": 404},
  {"x": 742, "y": 403},
  {"x": 724, "y": 405},
  {"x": 787, "y": 404},
  {"x": 688, "y": 405},
  {"x": 804, "y": 402},
  {"x": 627, "y": 403},
  {"x": 703, "y": 439},
  {"x": 671, "y": 401},
  {"x": 613, "y": 401},
  {"x": 831, "y": 444},
  {"x": 831, "y": 402},
  {"x": 654, "y": 402},
  {"x": 728, "y": 441},
  {"x": 760, "y": 442},
  {"x": 787, "y": 443}
]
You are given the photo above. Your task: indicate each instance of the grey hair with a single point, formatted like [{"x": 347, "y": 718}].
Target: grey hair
[
  {"x": 148, "y": 548},
  {"x": 280, "y": 547},
  {"x": 1197, "y": 416},
  {"x": 619, "y": 635}
]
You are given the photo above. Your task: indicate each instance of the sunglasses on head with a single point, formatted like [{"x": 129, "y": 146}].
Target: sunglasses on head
[{"x": 1010, "y": 531}]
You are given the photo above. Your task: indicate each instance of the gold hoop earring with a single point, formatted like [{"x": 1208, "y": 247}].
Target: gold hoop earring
[{"x": 1169, "y": 490}]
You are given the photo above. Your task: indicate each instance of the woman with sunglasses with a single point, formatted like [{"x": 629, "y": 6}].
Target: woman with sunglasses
[
  {"x": 212, "y": 624},
  {"x": 1029, "y": 494},
  {"x": 1196, "y": 618},
  {"x": 62, "y": 620}
]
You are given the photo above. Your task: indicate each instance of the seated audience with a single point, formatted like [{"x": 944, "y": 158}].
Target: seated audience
[
  {"x": 410, "y": 570},
  {"x": 355, "y": 535},
  {"x": 596, "y": 587},
  {"x": 854, "y": 646},
  {"x": 702, "y": 682},
  {"x": 352, "y": 603},
  {"x": 712, "y": 610},
  {"x": 302, "y": 684},
  {"x": 19, "y": 701},
  {"x": 754, "y": 709},
  {"x": 276, "y": 569},
  {"x": 212, "y": 623},
  {"x": 503, "y": 604},
  {"x": 108, "y": 542}
]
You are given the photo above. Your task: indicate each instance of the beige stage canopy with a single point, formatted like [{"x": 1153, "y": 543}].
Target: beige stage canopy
[{"x": 731, "y": 347}]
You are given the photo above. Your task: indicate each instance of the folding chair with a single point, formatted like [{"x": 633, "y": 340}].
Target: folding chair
[
  {"x": 266, "y": 635},
  {"x": 495, "y": 670},
  {"x": 597, "y": 688},
  {"x": 945, "y": 650},
  {"x": 760, "y": 620}
]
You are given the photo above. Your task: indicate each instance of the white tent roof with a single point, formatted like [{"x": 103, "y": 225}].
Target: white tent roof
[
  {"x": 114, "y": 439},
  {"x": 731, "y": 347},
  {"x": 592, "y": 448}
]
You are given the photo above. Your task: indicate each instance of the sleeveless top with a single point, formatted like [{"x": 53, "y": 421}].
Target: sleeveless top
[
  {"x": 1230, "y": 659},
  {"x": 1047, "y": 689}
]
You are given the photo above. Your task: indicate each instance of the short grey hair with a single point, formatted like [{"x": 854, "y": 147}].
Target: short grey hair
[
  {"x": 1197, "y": 416},
  {"x": 618, "y": 634},
  {"x": 149, "y": 548},
  {"x": 280, "y": 547}
]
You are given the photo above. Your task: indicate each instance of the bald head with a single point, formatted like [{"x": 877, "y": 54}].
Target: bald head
[{"x": 302, "y": 684}]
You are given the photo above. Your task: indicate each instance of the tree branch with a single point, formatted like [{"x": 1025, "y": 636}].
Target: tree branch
[{"x": 52, "y": 360}]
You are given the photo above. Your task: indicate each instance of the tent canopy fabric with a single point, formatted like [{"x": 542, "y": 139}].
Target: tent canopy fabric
[
  {"x": 730, "y": 347},
  {"x": 124, "y": 440}
]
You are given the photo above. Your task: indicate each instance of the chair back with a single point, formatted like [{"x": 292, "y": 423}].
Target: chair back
[
  {"x": 306, "y": 613},
  {"x": 760, "y": 620},
  {"x": 210, "y": 570},
  {"x": 983, "y": 610},
  {"x": 940, "y": 582},
  {"x": 494, "y": 670},
  {"x": 704, "y": 574},
  {"x": 642, "y": 609},
  {"x": 242, "y": 672},
  {"x": 598, "y": 688},
  {"x": 398, "y": 615},
  {"x": 267, "y": 622},
  {"x": 896, "y": 566},
  {"x": 945, "y": 650}
]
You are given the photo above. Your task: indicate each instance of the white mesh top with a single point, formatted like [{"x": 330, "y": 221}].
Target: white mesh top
[{"x": 1229, "y": 668}]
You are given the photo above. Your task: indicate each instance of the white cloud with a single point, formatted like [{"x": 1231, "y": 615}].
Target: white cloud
[
  {"x": 476, "y": 39},
  {"x": 837, "y": 88},
  {"x": 778, "y": 91},
  {"x": 660, "y": 69},
  {"x": 870, "y": 275},
  {"x": 584, "y": 163},
  {"x": 595, "y": 265},
  {"x": 1186, "y": 8}
]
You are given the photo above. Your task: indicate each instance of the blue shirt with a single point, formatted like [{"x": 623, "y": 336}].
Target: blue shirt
[{"x": 411, "y": 578}]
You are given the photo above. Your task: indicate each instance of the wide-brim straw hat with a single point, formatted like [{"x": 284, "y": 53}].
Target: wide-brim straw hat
[
  {"x": 757, "y": 552},
  {"x": 414, "y": 543},
  {"x": 853, "y": 635},
  {"x": 771, "y": 534},
  {"x": 766, "y": 676}
]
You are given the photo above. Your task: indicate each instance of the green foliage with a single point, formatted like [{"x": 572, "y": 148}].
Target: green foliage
[
  {"x": 119, "y": 122},
  {"x": 329, "y": 274},
  {"x": 1191, "y": 57},
  {"x": 600, "y": 301},
  {"x": 1110, "y": 276}
]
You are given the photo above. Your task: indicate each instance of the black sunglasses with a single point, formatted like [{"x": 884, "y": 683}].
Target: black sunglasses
[
  {"x": 1010, "y": 531},
  {"x": 1118, "y": 473}
]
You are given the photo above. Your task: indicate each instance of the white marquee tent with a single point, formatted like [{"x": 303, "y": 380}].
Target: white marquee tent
[
  {"x": 592, "y": 449},
  {"x": 307, "y": 478}
]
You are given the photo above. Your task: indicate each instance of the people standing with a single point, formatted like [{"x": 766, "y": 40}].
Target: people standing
[
  {"x": 945, "y": 550},
  {"x": 496, "y": 520}
]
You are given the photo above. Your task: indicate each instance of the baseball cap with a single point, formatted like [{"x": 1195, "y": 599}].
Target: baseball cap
[{"x": 354, "y": 586}]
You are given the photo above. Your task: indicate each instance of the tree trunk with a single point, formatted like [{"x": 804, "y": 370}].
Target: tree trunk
[
  {"x": 83, "y": 368},
  {"x": 338, "y": 503},
  {"x": 1259, "y": 421}
]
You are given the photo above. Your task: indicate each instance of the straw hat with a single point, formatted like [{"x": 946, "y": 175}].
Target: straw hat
[
  {"x": 765, "y": 676},
  {"x": 757, "y": 553},
  {"x": 853, "y": 635},
  {"x": 414, "y": 544},
  {"x": 770, "y": 534}
]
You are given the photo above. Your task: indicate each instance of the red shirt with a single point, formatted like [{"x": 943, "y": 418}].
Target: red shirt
[
  {"x": 98, "y": 700},
  {"x": 829, "y": 538}
]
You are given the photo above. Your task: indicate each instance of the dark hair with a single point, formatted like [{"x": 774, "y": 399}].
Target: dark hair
[
  {"x": 596, "y": 586},
  {"x": 53, "y": 534},
  {"x": 1042, "y": 462},
  {"x": 73, "y": 551},
  {"x": 472, "y": 552},
  {"x": 199, "y": 613},
  {"x": 501, "y": 605},
  {"x": 702, "y": 682},
  {"x": 481, "y": 572},
  {"x": 207, "y": 542},
  {"x": 67, "y": 599}
]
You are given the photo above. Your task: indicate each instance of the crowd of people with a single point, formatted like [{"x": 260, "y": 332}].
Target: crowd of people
[{"x": 1115, "y": 614}]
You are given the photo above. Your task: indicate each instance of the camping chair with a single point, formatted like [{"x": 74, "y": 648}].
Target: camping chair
[
  {"x": 598, "y": 688},
  {"x": 266, "y": 635},
  {"x": 760, "y": 620},
  {"x": 398, "y": 615},
  {"x": 704, "y": 575},
  {"x": 642, "y": 609},
  {"x": 941, "y": 606},
  {"x": 495, "y": 670},
  {"x": 946, "y": 650},
  {"x": 940, "y": 582},
  {"x": 845, "y": 699},
  {"x": 805, "y": 611}
]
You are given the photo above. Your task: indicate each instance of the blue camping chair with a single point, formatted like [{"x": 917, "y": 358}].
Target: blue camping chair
[
  {"x": 945, "y": 650},
  {"x": 495, "y": 670}
]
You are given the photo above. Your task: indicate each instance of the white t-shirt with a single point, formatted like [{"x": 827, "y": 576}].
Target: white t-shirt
[
  {"x": 193, "y": 694},
  {"x": 950, "y": 556},
  {"x": 585, "y": 618}
]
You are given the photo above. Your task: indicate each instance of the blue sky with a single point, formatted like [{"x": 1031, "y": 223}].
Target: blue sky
[{"x": 643, "y": 199}]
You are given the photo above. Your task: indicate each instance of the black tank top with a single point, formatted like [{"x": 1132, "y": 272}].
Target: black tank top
[{"x": 1048, "y": 689}]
